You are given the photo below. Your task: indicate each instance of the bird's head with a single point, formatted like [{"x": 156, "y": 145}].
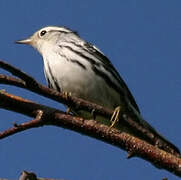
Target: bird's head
[{"x": 49, "y": 36}]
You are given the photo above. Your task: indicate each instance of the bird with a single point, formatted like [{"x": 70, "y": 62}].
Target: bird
[{"x": 73, "y": 65}]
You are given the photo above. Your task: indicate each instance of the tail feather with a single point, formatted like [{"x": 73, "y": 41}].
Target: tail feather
[{"x": 157, "y": 140}]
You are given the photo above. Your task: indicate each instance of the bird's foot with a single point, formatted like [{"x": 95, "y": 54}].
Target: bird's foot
[
  {"x": 115, "y": 116},
  {"x": 68, "y": 110},
  {"x": 93, "y": 114},
  {"x": 67, "y": 94}
]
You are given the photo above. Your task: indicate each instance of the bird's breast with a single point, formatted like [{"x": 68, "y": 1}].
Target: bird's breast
[{"x": 80, "y": 80}]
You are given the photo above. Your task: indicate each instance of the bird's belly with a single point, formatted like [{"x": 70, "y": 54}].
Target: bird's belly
[{"x": 84, "y": 83}]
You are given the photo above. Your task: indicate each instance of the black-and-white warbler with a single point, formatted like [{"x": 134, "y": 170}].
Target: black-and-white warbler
[{"x": 73, "y": 65}]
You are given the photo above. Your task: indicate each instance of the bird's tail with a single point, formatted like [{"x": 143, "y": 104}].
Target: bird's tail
[{"x": 154, "y": 137}]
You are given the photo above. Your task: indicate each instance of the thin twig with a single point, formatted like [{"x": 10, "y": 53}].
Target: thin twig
[
  {"x": 25, "y": 175},
  {"x": 21, "y": 127},
  {"x": 31, "y": 84},
  {"x": 17, "y": 72},
  {"x": 51, "y": 116}
]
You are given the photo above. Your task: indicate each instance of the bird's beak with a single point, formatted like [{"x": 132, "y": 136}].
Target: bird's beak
[{"x": 24, "y": 41}]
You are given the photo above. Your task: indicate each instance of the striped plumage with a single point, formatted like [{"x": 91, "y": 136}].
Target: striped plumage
[
  {"x": 74, "y": 65},
  {"x": 85, "y": 71}
]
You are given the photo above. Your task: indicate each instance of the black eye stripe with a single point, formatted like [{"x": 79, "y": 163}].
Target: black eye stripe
[{"x": 42, "y": 33}]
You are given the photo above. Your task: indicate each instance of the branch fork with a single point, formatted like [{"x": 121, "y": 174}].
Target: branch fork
[{"x": 44, "y": 115}]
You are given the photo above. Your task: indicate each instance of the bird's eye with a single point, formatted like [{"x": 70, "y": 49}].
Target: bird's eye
[{"x": 42, "y": 33}]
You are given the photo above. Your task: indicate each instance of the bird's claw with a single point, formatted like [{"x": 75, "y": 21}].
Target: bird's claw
[
  {"x": 93, "y": 114},
  {"x": 67, "y": 94},
  {"x": 68, "y": 110},
  {"x": 115, "y": 116}
]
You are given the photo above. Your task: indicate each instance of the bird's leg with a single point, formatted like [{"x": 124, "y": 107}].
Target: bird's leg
[
  {"x": 67, "y": 95},
  {"x": 115, "y": 116},
  {"x": 93, "y": 114},
  {"x": 68, "y": 110}
]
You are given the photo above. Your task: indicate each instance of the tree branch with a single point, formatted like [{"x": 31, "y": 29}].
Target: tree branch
[
  {"x": 29, "y": 83},
  {"x": 51, "y": 116},
  {"x": 25, "y": 175},
  {"x": 44, "y": 115}
]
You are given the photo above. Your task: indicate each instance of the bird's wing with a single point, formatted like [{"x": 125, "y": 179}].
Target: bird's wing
[{"x": 107, "y": 64}]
